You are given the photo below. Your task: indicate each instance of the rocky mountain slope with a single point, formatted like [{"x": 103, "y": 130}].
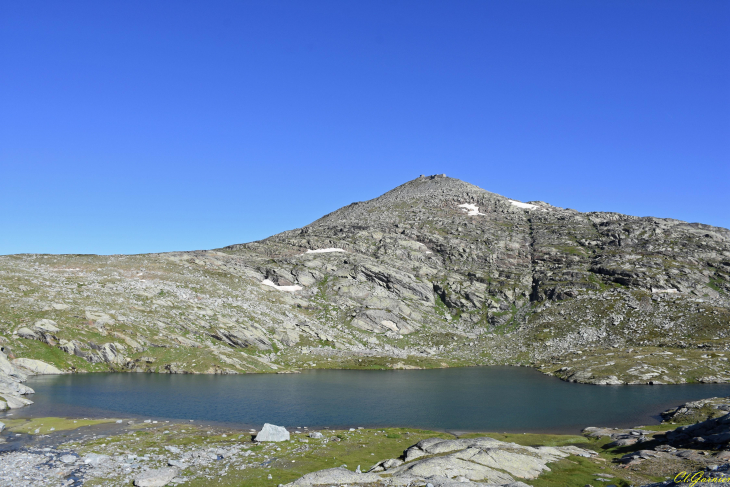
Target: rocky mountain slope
[{"x": 436, "y": 272}]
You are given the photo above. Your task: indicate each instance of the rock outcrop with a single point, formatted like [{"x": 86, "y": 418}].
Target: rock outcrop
[
  {"x": 12, "y": 388},
  {"x": 696, "y": 411},
  {"x": 36, "y": 366},
  {"x": 439, "y": 462},
  {"x": 712, "y": 433}
]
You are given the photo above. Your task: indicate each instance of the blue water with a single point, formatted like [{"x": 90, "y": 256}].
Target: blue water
[{"x": 512, "y": 399}]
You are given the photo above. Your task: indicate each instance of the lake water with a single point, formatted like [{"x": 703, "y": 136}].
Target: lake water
[{"x": 512, "y": 399}]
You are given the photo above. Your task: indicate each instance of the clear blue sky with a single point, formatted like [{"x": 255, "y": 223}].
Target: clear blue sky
[{"x": 140, "y": 126}]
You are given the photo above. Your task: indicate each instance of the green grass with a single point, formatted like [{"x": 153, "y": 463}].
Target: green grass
[
  {"x": 576, "y": 472},
  {"x": 44, "y": 425}
]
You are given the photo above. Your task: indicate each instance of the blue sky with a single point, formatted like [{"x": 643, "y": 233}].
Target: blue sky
[{"x": 136, "y": 126}]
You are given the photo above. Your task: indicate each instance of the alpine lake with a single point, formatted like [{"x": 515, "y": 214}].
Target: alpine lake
[{"x": 504, "y": 399}]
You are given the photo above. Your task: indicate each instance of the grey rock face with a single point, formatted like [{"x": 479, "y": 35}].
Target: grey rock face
[{"x": 272, "y": 432}]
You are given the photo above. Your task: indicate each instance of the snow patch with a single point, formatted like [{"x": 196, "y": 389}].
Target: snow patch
[
  {"x": 526, "y": 206},
  {"x": 322, "y": 251},
  {"x": 291, "y": 289},
  {"x": 470, "y": 209},
  {"x": 669, "y": 291}
]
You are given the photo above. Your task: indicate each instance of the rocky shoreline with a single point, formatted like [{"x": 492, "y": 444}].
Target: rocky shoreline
[{"x": 54, "y": 452}]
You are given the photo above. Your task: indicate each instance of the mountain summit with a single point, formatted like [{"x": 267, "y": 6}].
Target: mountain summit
[{"x": 435, "y": 272}]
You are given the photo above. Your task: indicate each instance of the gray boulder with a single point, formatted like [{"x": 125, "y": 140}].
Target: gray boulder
[
  {"x": 46, "y": 326},
  {"x": 95, "y": 459},
  {"x": 15, "y": 402},
  {"x": 68, "y": 458},
  {"x": 27, "y": 333},
  {"x": 272, "y": 432},
  {"x": 335, "y": 476},
  {"x": 156, "y": 478},
  {"x": 37, "y": 366}
]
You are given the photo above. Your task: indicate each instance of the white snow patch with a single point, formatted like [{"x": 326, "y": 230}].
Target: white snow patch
[
  {"x": 526, "y": 206},
  {"x": 470, "y": 209},
  {"x": 322, "y": 251},
  {"x": 669, "y": 291},
  {"x": 291, "y": 289}
]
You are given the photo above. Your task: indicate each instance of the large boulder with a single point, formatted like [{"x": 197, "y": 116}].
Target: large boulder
[
  {"x": 46, "y": 326},
  {"x": 15, "y": 402},
  {"x": 42, "y": 330},
  {"x": 156, "y": 478},
  {"x": 10, "y": 385},
  {"x": 37, "y": 366},
  {"x": 7, "y": 370},
  {"x": 272, "y": 432},
  {"x": 27, "y": 333},
  {"x": 111, "y": 353},
  {"x": 99, "y": 319},
  {"x": 95, "y": 459},
  {"x": 73, "y": 347},
  {"x": 335, "y": 476}
]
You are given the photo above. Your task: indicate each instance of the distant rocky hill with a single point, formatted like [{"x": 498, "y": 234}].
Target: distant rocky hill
[{"x": 436, "y": 272}]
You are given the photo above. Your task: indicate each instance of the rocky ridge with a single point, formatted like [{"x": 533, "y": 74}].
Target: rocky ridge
[{"x": 434, "y": 273}]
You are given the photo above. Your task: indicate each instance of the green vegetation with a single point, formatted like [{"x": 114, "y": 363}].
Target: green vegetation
[{"x": 47, "y": 425}]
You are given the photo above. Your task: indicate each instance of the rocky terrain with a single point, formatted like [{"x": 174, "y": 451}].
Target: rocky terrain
[
  {"x": 37, "y": 452},
  {"x": 434, "y": 273}
]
